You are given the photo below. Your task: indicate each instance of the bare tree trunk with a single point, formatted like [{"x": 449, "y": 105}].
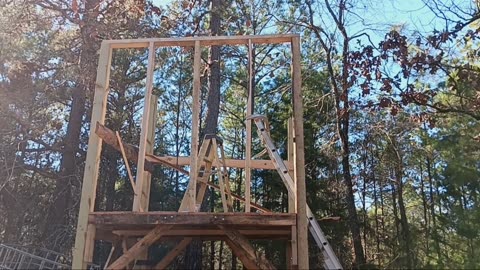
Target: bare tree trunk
[
  {"x": 58, "y": 214},
  {"x": 408, "y": 249},
  {"x": 213, "y": 99},
  {"x": 364, "y": 203},
  {"x": 340, "y": 89},
  {"x": 212, "y": 255},
  {"x": 426, "y": 225},
  {"x": 177, "y": 132},
  {"x": 377, "y": 231},
  {"x": 220, "y": 256},
  {"x": 382, "y": 204},
  {"x": 354, "y": 222},
  {"x": 12, "y": 231},
  {"x": 395, "y": 218},
  {"x": 435, "y": 234}
]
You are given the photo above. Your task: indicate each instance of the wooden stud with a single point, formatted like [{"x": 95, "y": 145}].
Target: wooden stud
[
  {"x": 292, "y": 207},
  {"x": 299, "y": 161},
  {"x": 192, "y": 184},
  {"x": 293, "y": 249},
  {"x": 292, "y": 260},
  {"x": 144, "y": 131},
  {"x": 202, "y": 155},
  {"x": 248, "y": 147},
  {"x": 167, "y": 259},
  {"x": 90, "y": 176},
  {"x": 145, "y": 194},
  {"x": 139, "y": 247},
  {"x": 90, "y": 243}
]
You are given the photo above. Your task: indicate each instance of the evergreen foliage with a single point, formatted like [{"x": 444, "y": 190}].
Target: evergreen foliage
[{"x": 391, "y": 124}]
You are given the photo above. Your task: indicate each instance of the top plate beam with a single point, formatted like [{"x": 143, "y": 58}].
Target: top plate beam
[{"x": 204, "y": 41}]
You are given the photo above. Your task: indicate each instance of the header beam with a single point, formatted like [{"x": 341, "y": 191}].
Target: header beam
[{"x": 204, "y": 41}]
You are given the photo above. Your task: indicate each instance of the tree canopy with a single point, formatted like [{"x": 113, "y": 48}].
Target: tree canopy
[{"x": 391, "y": 117}]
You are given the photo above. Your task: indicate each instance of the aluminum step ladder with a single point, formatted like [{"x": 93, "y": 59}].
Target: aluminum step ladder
[{"x": 330, "y": 259}]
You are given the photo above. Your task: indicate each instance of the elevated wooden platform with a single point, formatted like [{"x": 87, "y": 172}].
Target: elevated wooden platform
[{"x": 202, "y": 225}]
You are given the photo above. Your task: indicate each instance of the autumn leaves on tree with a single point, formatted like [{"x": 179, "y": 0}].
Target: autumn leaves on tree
[{"x": 391, "y": 119}]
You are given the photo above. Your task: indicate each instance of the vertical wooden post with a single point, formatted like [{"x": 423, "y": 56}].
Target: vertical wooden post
[
  {"x": 292, "y": 202},
  {"x": 140, "y": 179},
  {"x": 299, "y": 162},
  {"x": 188, "y": 203},
  {"x": 294, "y": 249},
  {"x": 92, "y": 163},
  {"x": 248, "y": 150},
  {"x": 145, "y": 193},
  {"x": 292, "y": 256}
]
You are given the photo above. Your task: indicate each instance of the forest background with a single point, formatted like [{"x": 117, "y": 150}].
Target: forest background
[{"x": 391, "y": 91}]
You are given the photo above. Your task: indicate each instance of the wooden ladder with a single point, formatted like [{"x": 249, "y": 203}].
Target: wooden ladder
[
  {"x": 329, "y": 258},
  {"x": 211, "y": 161}
]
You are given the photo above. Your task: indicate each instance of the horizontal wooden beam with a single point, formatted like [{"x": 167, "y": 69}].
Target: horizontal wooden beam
[
  {"x": 191, "y": 218},
  {"x": 131, "y": 151},
  {"x": 204, "y": 41},
  {"x": 204, "y": 232},
  {"x": 109, "y": 237},
  {"x": 230, "y": 163}
]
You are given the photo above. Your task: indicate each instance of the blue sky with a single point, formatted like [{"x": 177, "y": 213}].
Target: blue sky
[
  {"x": 386, "y": 12},
  {"x": 161, "y": 2}
]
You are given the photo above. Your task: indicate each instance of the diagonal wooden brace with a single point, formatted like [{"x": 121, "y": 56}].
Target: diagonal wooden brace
[
  {"x": 167, "y": 259},
  {"x": 142, "y": 245},
  {"x": 241, "y": 246}
]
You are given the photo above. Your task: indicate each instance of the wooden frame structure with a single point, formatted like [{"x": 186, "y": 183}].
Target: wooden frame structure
[{"x": 145, "y": 227}]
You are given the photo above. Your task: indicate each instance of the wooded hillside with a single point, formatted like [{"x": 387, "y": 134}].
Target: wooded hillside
[{"x": 391, "y": 118}]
